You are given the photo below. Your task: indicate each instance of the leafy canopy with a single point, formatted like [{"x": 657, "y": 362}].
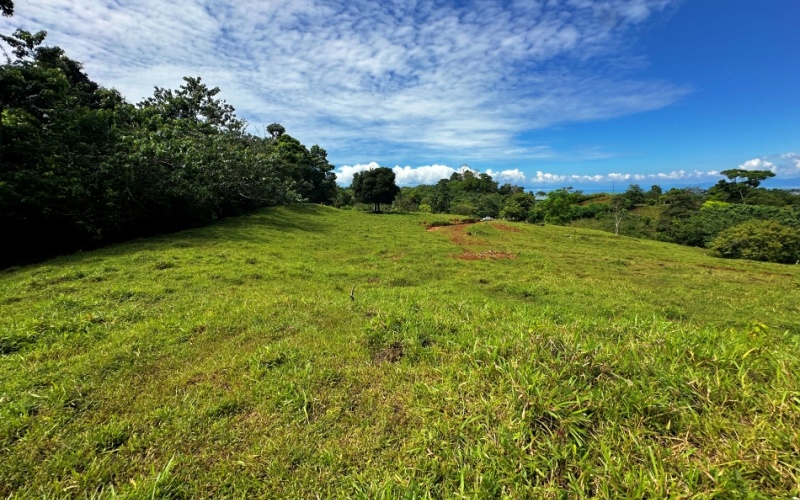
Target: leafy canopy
[
  {"x": 761, "y": 240},
  {"x": 375, "y": 186}
]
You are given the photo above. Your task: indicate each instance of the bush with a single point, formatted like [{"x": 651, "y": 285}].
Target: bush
[
  {"x": 438, "y": 223},
  {"x": 767, "y": 241},
  {"x": 462, "y": 209}
]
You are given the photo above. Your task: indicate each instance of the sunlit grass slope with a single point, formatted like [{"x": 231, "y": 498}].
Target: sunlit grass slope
[{"x": 488, "y": 360}]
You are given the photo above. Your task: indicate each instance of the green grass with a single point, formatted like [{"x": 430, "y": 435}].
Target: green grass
[{"x": 230, "y": 361}]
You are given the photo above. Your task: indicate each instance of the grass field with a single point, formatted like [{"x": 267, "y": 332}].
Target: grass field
[{"x": 486, "y": 360}]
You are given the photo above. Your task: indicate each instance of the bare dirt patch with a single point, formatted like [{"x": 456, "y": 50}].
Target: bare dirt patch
[
  {"x": 390, "y": 354},
  {"x": 460, "y": 237},
  {"x": 489, "y": 254},
  {"x": 436, "y": 226}
]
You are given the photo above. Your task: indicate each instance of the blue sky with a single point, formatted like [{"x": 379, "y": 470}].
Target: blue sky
[{"x": 538, "y": 93}]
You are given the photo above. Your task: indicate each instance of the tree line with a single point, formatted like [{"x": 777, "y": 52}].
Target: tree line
[
  {"x": 80, "y": 166},
  {"x": 735, "y": 218}
]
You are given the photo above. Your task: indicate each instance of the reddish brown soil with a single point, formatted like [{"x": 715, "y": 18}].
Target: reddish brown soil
[
  {"x": 458, "y": 236},
  {"x": 486, "y": 255}
]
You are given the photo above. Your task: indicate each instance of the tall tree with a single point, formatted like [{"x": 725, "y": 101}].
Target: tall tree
[
  {"x": 442, "y": 195},
  {"x": 742, "y": 182},
  {"x": 375, "y": 186}
]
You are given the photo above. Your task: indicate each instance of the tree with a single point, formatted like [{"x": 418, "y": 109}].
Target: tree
[
  {"x": 80, "y": 166},
  {"x": 7, "y": 8},
  {"x": 634, "y": 195},
  {"x": 375, "y": 186},
  {"x": 197, "y": 104},
  {"x": 654, "y": 195},
  {"x": 275, "y": 130},
  {"x": 559, "y": 207},
  {"x": 517, "y": 206},
  {"x": 307, "y": 171},
  {"x": 489, "y": 205},
  {"x": 742, "y": 182},
  {"x": 751, "y": 178},
  {"x": 404, "y": 203},
  {"x": 674, "y": 223},
  {"x": 767, "y": 241},
  {"x": 441, "y": 196}
]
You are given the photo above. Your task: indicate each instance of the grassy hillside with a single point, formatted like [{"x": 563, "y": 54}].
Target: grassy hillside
[{"x": 486, "y": 360}]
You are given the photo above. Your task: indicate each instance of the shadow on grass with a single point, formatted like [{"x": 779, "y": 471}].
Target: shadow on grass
[
  {"x": 244, "y": 228},
  {"x": 257, "y": 227}
]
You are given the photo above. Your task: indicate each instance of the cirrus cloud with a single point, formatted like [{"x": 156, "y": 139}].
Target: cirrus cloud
[{"x": 376, "y": 79}]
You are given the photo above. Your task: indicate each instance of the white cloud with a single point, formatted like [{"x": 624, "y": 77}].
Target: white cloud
[
  {"x": 787, "y": 165},
  {"x": 783, "y": 165},
  {"x": 791, "y": 159},
  {"x": 429, "y": 174},
  {"x": 618, "y": 177},
  {"x": 547, "y": 178},
  {"x": 515, "y": 176},
  {"x": 758, "y": 164},
  {"x": 344, "y": 176},
  {"x": 363, "y": 77},
  {"x": 404, "y": 176}
]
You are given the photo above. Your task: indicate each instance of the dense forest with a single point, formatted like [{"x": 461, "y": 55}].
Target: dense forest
[{"x": 80, "y": 166}]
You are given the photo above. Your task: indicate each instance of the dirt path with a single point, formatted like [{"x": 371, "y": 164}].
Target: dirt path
[{"x": 477, "y": 247}]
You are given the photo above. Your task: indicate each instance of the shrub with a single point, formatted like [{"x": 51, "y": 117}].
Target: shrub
[
  {"x": 767, "y": 241},
  {"x": 439, "y": 223},
  {"x": 462, "y": 209},
  {"x": 425, "y": 208}
]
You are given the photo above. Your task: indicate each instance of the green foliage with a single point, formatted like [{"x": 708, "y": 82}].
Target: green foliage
[
  {"x": 468, "y": 193},
  {"x": 375, "y": 186},
  {"x": 463, "y": 208},
  {"x": 742, "y": 183},
  {"x": 82, "y": 167},
  {"x": 653, "y": 196},
  {"x": 441, "y": 197},
  {"x": 560, "y": 206},
  {"x": 517, "y": 206},
  {"x": 196, "y": 105},
  {"x": 767, "y": 241},
  {"x": 425, "y": 208},
  {"x": 674, "y": 224},
  {"x": 634, "y": 195},
  {"x": 404, "y": 203},
  {"x": 275, "y": 130},
  {"x": 772, "y": 197},
  {"x": 7, "y": 8},
  {"x": 702, "y": 226}
]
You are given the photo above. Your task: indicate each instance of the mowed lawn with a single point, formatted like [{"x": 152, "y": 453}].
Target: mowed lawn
[{"x": 484, "y": 361}]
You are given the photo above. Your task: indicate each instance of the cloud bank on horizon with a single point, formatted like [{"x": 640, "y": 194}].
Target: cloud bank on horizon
[
  {"x": 784, "y": 165},
  {"x": 380, "y": 78}
]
